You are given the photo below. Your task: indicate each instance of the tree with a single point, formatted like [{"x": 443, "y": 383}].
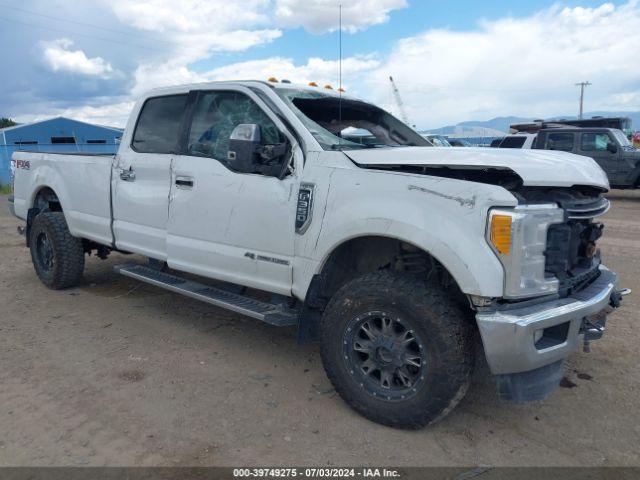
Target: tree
[{"x": 6, "y": 122}]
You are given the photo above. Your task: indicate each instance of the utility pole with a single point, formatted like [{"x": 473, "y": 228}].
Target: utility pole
[{"x": 582, "y": 85}]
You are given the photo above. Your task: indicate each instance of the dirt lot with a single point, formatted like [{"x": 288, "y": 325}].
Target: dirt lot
[{"x": 119, "y": 373}]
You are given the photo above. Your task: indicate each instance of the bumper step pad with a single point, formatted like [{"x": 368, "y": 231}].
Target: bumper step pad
[{"x": 277, "y": 315}]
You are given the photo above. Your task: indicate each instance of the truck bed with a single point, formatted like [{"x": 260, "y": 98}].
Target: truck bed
[{"x": 81, "y": 181}]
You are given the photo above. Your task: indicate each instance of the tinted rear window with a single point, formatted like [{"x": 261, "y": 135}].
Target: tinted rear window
[
  {"x": 512, "y": 142},
  {"x": 560, "y": 141},
  {"x": 159, "y": 123}
]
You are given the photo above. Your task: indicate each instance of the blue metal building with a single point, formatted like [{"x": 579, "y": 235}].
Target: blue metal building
[{"x": 55, "y": 135}]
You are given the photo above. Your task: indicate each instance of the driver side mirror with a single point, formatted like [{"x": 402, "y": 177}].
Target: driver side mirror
[
  {"x": 612, "y": 147},
  {"x": 244, "y": 145}
]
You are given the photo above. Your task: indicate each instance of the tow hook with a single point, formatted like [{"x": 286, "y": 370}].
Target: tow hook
[
  {"x": 593, "y": 326},
  {"x": 616, "y": 297},
  {"x": 22, "y": 230}
]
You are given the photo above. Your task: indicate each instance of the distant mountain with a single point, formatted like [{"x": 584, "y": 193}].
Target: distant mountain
[
  {"x": 477, "y": 128},
  {"x": 500, "y": 125}
]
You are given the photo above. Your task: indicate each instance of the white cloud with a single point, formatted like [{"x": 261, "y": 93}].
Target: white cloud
[
  {"x": 111, "y": 115},
  {"x": 523, "y": 66},
  {"x": 58, "y": 56},
  {"x": 321, "y": 16},
  {"x": 191, "y": 15},
  {"x": 622, "y": 100},
  {"x": 315, "y": 69},
  {"x": 191, "y": 30}
]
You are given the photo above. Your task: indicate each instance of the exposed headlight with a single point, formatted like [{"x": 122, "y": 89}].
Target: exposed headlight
[{"x": 518, "y": 236}]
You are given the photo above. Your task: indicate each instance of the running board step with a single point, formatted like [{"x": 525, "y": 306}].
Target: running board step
[{"x": 278, "y": 315}]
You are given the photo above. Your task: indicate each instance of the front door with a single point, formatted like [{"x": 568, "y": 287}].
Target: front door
[
  {"x": 232, "y": 226},
  {"x": 594, "y": 145},
  {"x": 142, "y": 178}
]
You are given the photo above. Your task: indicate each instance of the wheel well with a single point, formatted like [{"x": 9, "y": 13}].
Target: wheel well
[
  {"x": 373, "y": 253},
  {"x": 46, "y": 199}
]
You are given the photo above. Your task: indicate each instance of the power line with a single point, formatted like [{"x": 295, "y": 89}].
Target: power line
[
  {"x": 77, "y": 22},
  {"x": 71, "y": 34}
]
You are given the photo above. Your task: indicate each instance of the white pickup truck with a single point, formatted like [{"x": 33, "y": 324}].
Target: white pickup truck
[{"x": 391, "y": 254}]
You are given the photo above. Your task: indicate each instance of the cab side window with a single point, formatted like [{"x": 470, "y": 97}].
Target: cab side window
[
  {"x": 560, "y": 141},
  {"x": 159, "y": 122},
  {"x": 215, "y": 117},
  {"x": 595, "y": 142}
]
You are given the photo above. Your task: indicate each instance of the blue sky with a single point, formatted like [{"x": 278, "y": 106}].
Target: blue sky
[{"x": 453, "y": 61}]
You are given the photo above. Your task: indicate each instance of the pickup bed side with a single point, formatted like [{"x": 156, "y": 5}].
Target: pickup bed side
[{"x": 81, "y": 183}]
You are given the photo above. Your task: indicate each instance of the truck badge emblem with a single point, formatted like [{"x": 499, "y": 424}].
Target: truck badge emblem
[{"x": 304, "y": 208}]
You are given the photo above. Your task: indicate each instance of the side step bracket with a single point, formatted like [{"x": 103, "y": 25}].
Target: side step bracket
[{"x": 278, "y": 315}]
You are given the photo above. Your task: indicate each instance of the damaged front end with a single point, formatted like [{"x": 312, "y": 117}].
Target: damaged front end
[
  {"x": 556, "y": 292},
  {"x": 557, "y": 301}
]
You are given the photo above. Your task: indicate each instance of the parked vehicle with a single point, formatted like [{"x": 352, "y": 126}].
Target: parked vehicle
[
  {"x": 458, "y": 142},
  {"x": 391, "y": 255},
  {"x": 609, "y": 147},
  {"x": 437, "y": 140},
  {"x": 363, "y": 138},
  {"x": 517, "y": 140},
  {"x": 620, "y": 123}
]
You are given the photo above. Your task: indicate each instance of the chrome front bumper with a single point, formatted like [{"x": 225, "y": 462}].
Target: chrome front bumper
[{"x": 509, "y": 336}]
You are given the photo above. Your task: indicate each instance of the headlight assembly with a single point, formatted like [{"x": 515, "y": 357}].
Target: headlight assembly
[{"x": 518, "y": 236}]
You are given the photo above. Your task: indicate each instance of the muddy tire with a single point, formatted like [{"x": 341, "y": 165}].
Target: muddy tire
[
  {"x": 58, "y": 257},
  {"x": 397, "y": 350}
]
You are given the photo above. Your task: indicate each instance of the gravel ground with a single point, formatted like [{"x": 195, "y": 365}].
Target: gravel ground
[{"x": 115, "y": 372}]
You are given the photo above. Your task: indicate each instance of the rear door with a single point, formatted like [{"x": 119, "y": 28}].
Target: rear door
[
  {"x": 232, "y": 226},
  {"x": 563, "y": 141},
  {"x": 142, "y": 177},
  {"x": 594, "y": 145}
]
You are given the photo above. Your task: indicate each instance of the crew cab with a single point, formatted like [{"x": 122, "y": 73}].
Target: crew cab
[
  {"x": 609, "y": 147},
  {"x": 392, "y": 254}
]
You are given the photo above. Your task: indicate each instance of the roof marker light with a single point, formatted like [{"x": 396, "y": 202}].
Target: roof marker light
[
  {"x": 313, "y": 84},
  {"x": 272, "y": 80},
  {"x": 285, "y": 81},
  {"x": 328, "y": 87},
  {"x": 341, "y": 90}
]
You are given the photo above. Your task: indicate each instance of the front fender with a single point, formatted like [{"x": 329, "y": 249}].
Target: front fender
[
  {"x": 444, "y": 217},
  {"x": 634, "y": 176}
]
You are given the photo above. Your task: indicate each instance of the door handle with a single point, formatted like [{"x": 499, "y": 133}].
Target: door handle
[
  {"x": 184, "y": 182},
  {"x": 127, "y": 175}
]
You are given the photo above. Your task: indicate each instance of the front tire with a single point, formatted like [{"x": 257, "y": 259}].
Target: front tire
[
  {"x": 397, "y": 350},
  {"x": 58, "y": 256}
]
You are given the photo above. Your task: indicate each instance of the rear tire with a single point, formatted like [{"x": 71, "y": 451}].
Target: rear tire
[
  {"x": 58, "y": 256},
  {"x": 397, "y": 350}
]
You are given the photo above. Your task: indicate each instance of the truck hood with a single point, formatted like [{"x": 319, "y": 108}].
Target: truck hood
[{"x": 535, "y": 167}]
